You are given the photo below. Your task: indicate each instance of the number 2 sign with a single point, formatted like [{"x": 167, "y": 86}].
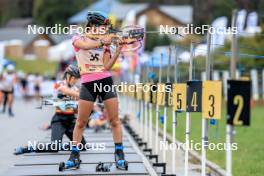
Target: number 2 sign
[{"x": 238, "y": 102}]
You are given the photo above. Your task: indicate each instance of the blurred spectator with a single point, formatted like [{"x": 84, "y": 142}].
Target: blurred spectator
[
  {"x": 37, "y": 82},
  {"x": 8, "y": 82},
  {"x": 24, "y": 85}
]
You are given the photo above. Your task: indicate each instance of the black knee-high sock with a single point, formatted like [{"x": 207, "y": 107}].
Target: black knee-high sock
[{"x": 119, "y": 146}]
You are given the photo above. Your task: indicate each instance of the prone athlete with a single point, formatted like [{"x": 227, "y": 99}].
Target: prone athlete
[{"x": 63, "y": 121}]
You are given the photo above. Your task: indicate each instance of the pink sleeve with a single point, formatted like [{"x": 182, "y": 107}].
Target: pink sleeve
[{"x": 75, "y": 38}]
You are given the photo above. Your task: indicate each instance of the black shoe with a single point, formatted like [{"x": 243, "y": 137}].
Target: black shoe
[{"x": 10, "y": 113}]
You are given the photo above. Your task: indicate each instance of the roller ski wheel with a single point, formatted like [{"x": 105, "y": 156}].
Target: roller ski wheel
[
  {"x": 120, "y": 161},
  {"x": 74, "y": 162},
  {"x": 61, "y": 166}
]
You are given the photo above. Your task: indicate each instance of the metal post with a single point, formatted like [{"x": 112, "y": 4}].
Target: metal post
[
  {"x": 187, "y": 131},
  {"x": 263, "y": 85},
  {"x": 150, "y": 126},
  {"x": 157, "y": 110},
  {"x": 142, "y": 115},
  {"x": 150, "y": 117},
  {"x": 205, "y": 121},
  {"x": 174, "y": 115},
  {"x": 146, "y": 109},
  {"x": 166, "y": 107},
  {"x": 141, "y": 118},
  {"x": 229, "y": 128}
]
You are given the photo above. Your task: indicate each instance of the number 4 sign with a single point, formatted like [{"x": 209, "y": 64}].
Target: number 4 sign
[
  {"x": 238, "y": 102},
  {"x": 194, "y": 96},
  {"x": 212, "y": 99}
]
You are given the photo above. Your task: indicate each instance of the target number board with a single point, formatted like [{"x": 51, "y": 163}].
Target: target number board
[
  {"x": 147, "y": 93},
  {"x": 194, "y": 96},
  {"x": 139, "y": 91},
  {"x": 161, "y": 94},
  {"x": 238, "y": 102},
  {"x": 153, "y": 94},
  {"x": 168, "y": 94},
  {"x": 211, "y": 99},
  {"x": 179, "y": 96}
]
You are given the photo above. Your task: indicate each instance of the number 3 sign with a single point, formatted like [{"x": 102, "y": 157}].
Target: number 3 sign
[{"x": 212, "y": 99}]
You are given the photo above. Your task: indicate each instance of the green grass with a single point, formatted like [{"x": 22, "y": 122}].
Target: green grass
[
  {"x": 36, "y": 66},
  {"x": 248, "y": 159}
]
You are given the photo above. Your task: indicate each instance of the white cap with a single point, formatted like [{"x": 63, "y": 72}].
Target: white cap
[{"x": 10, "y": 67}]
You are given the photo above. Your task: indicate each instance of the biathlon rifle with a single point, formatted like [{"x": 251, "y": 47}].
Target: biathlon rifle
[
  {"x": 130, "y": 35},
  {"x": 63, "y": 104}
]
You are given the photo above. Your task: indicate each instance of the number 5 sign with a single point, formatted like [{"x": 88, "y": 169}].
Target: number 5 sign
[
  {"x": 238, "y": 102},
  {"x": 179, "y": 92},
  {"x": 211, "y": 99}
]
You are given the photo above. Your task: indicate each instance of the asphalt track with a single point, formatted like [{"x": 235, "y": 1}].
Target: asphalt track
[{"x": 25, "y": 126}]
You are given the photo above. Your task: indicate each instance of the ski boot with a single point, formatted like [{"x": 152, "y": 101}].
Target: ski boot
[
  {"x": 22, "y": 150},
  {"x": 10, "y": 113},
  {"x": 120, "y": 161},
  {"x": 73, "y": 162},
  {"x": 3, "y": 110}
]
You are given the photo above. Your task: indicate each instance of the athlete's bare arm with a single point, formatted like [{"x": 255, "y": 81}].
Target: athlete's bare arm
[
  {"x": 91, "y": 44},
  {"x": 108, "y": 61}
]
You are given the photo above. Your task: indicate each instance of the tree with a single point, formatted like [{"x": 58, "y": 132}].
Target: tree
[
  {"x": 153, "y": 40},
  {"x": 8, "y": 10},
  {"x": 49, "y": 12}
]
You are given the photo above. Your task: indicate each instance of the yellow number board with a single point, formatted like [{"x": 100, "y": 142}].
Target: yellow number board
[
  {"x": 124, "y": 89},
  {"x": 139, "y": 90},
  {"x": 154, "y": 94},
  {"x": 212, "y": 99},
  {"x": 147, "y": 92},
  {"x": 131, "y": 90},
  {"x": 179, "y": 97},
  {"x": 161, "y": 94}
]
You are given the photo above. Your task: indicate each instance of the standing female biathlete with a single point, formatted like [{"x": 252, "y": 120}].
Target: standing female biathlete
[{"x": 94, "y": 61}]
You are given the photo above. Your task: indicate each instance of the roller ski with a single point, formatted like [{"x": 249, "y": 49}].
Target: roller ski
[
  {"x": 103, "y": 167},
  {"x": 22, "y": 150},
  {"x": 120, "y": 161},
  {"x": 74, "y": 161}
]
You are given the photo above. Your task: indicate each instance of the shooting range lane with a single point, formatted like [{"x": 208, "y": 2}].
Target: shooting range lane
[
  {"x": 107, "y": 150},
  {"x": 85, "y": 169},
  {"x": 48, "y": 163}
]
